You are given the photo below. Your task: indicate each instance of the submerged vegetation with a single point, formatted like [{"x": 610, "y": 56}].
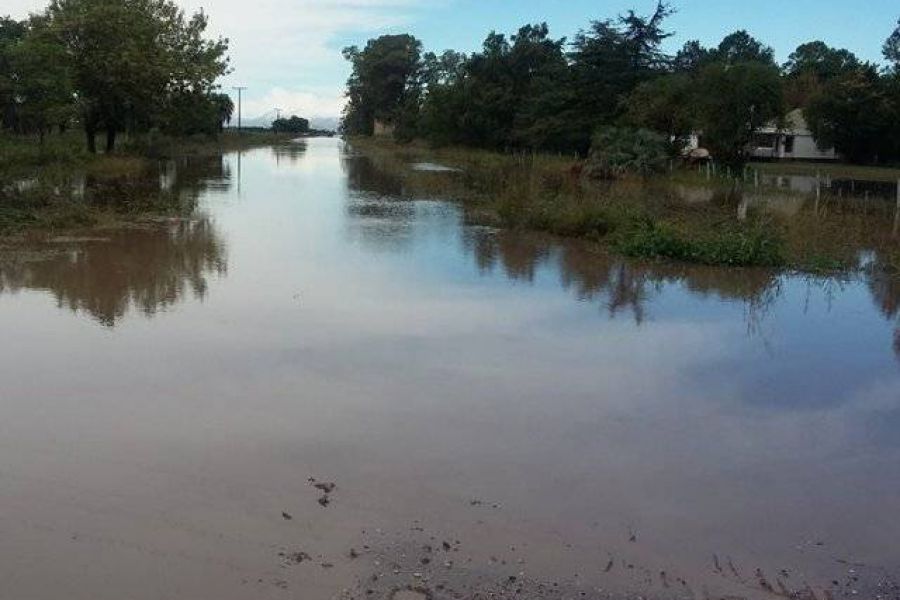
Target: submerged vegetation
[
  {"x": 58, "y": 184},
  {"x": 680, "y": 217}
]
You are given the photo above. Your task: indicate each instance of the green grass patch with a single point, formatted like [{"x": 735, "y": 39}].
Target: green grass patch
[{"x": 752, "y": 246}]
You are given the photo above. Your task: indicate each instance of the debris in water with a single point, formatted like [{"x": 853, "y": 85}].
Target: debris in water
[{"x": 286, "y": 516}]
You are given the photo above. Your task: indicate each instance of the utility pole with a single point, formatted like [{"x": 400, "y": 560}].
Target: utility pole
[{"x": 239, "y": 89}]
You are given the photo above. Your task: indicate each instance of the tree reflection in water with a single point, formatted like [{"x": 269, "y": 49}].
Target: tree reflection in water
[
  {"x": 147, "y": 268},
  {"x": 381, "y": 208}
]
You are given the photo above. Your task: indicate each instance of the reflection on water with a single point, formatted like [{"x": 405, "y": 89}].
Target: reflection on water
[
  {"x": 653, "y": 429},
  {"x": 383, "y": 220},
  {"x": 837, "y": 186},
  {"x": 291, "y": 153},
  {"x": 147, "y": 268}
]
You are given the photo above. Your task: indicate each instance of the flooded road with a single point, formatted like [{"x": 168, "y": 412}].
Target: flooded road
[{"x": 499, "y": 412}]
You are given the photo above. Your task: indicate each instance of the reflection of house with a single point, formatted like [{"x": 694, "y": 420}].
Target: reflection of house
[{"x": 794, "y": 141}]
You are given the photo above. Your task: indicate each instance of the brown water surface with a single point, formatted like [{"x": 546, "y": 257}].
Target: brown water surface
[{"x": 497, "y": 410}]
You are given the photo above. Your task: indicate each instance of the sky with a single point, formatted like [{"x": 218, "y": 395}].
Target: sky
[{"x": 288, "y": 52}]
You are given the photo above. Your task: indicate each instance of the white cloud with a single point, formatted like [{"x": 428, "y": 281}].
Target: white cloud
[{"x": 310, "y": 103}]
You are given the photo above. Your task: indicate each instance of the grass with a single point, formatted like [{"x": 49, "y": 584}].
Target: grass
[
  {"x": 40, "y": 183},
  {"x": 677, "y": 217}
]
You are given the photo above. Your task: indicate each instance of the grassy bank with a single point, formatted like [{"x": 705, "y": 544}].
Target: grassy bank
[
  {"x": 675, "y": 217},
  {"x": 58, "y": 185}
]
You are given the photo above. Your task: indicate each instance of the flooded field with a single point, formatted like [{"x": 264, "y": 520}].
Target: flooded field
[{"x": 314, "y": 389}]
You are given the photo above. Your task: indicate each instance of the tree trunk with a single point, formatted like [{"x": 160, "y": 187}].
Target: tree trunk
[
  {"x": 110, "y": 140},
  {"x": 91, "y": 135}
]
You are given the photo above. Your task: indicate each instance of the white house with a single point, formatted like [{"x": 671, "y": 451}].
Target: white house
[{"x": 792, "y": 142}]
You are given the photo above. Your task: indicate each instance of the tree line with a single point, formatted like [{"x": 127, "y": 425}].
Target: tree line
[
  {"x": 111, "y": 66},
  {"x": 531, "y": 91}
]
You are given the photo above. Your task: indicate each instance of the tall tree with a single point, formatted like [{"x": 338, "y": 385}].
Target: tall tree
[
  {"x": 612, "y": 58},
  {"x": 11, "y": 33},
  {"x": 740, "y": 47},
  {"x": 128, "y": 56},
  {"x": 42, "y": 82},
  {"x": 667, "y": 105},
  {"x": 810, "y": 67},
  {"x": 891, "y": 48},
  {"x": 853, "y": 115},
  {"x": 734, "y": 101},
  {"x": 691, "y": 58},
  {"x": 384, "y": 84}
]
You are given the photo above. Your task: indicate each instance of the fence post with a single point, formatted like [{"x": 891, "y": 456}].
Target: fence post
[{"x": 897, "y": 211}]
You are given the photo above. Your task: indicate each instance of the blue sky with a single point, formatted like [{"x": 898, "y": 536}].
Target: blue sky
[{"x": 288, "y": 51}]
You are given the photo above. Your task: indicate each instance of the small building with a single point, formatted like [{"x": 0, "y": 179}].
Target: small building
[{"x": 793, "y": 141}]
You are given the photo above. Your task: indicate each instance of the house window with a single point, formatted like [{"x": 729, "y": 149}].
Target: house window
[{"x": 789, "y": 144}]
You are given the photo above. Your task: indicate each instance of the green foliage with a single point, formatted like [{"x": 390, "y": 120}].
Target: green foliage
[
  {"x": 609, "y": 60},
  {"x": 189, "y": 112},
  {"x": 130, "y": 59},
  {"x": 617, "y": 151},
  {"x": 532, "y": 92},
  {"x": 891, "y": 48},
  {"x": 810, "y": 67},
  {"x": 384, "y": 81},
  {"x": 735, "y": 101},
  {"x": 293, "y": 125},
  {"x": 741, "y": 47},
  {"x": 742, "y": 247},
  {"x": 11, "y": 33},
  {"x": 691, "y": 57},
  {"x": 854, "y": 114},
  {"x": 666, "y": 104},
  {"x": 42, "y": 81}
]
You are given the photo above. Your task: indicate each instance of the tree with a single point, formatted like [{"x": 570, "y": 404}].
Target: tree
[
  {"x": 666, "y": 105},
  {"x": 384, "y": 81},
  {"x": 691, "y": 58},
  {"x": 740, "y": 47},
  {"x": 224, "y": 108},
  {"x": 128, "y": 57},
  {"x": 189, "y": 112},
  {"x": 853, "y": 115},
  {"x": 812, "y": 65},
  {"x": 734, "y": 101},
  {"x": 611, "y": 59},
  {"x": 11, "y": 33},
  {"x": 42, "y": 83},
  {"x": 821, "y": 59},
  {"x": 891, "y": 48},
  {"x": 295, "y": 125}
]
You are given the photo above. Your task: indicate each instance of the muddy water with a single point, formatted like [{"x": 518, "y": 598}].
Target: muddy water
[{"x": 499, "y": 412}]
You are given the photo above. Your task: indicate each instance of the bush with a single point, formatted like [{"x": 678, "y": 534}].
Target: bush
[
  {"x": 753, "y": 246},
  {"x": 618, "y": 151}
]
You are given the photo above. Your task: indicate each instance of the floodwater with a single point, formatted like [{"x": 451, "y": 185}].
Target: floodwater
[{"x": 498, "y": 412}]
